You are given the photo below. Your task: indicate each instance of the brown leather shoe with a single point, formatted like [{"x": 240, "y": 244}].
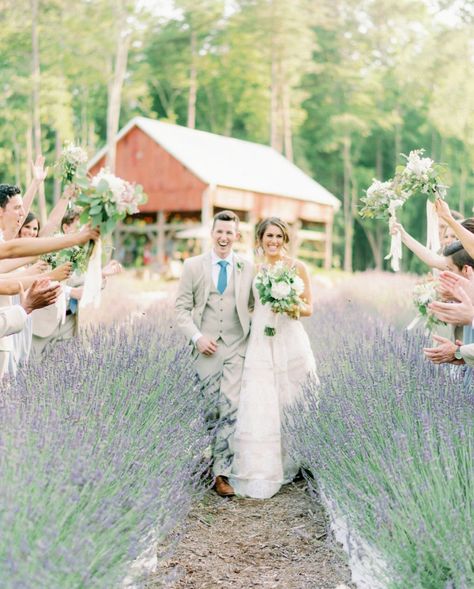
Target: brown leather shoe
[{"x": 223, "y": 488}]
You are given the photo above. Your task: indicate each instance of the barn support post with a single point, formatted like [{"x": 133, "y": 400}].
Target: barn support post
[
  {"x": 328, "y": 246},
  {"x": 161, "y": 239},
  {"x": 206, "y": 213}
]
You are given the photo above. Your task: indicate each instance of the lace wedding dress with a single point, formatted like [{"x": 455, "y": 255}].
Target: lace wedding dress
[{"x": 274, "y": 370}]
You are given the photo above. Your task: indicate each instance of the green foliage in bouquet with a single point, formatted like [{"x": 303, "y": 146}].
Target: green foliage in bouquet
[
  {"x": 425, "y": 293},
  {"x": 420, "y": 175},
  {"x": 71, "y": 166},
  {"x": 281, "y": 288},
  {"x": 76, "y": 254},
  {"x": 108, "y": 199}
]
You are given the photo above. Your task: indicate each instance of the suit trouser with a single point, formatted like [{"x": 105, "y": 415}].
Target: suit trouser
[{"x": 225, "y": 368}]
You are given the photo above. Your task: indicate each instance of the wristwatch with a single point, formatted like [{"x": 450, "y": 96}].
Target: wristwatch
[{"x": 457, "y": 353}]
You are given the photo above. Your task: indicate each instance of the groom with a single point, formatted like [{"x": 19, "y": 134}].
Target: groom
[{"x": 212, "y": 310}]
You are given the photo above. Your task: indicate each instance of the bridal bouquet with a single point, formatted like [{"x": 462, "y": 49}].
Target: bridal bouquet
[
  {"x": 108, "y": 200},
  {"x": 425, "y": 293},
  {"x": 281, "y": 288},
  {"x": 71, "y": 165}
]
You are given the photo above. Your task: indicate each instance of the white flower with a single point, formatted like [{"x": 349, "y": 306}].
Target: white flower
[
  {"x": 298, "y": 285},
  {"x": 280, "y": 290},
  {"x": 417, "y": 165},
  {"x": 74, "y": 154},
  {"x": 378, "y": 188}
]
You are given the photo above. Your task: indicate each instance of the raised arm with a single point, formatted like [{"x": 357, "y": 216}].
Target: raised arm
[
  {"x": 463, "y": 234},
  {"x": 423, "y": 253},
  {"x": 35, "y": 246},
  {"x": 39, "y": 174},
  {"x": 53, "y": 224}
]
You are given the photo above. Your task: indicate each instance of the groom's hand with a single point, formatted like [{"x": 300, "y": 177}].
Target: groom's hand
[{"x": 206, "y": 345}]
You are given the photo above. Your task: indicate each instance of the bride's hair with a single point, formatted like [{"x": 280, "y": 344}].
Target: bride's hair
[{"x": 277, "y": 222}]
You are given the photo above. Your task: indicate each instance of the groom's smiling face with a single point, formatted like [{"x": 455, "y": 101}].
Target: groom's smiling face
[{"x": 223, "y": 234}]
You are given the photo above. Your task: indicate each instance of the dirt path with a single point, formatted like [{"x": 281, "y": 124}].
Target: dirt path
[{"x": 242, "y": 543}]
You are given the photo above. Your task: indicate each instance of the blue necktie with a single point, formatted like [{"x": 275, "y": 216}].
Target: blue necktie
[
  {"x": 222, "y": 280},
  {"x": 73, "y": 305}
]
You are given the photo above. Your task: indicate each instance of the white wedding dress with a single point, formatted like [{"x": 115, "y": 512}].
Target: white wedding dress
[{"x": 274, "y": 370}]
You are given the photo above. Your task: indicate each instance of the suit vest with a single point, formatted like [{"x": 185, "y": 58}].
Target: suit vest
[{"x": 220, "y": 318}]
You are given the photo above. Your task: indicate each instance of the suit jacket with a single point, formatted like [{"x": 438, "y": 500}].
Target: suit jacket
[
  {"x": 47, "y": 319},
  {"x": 195, "y": 285},
  {"x": 12, "y": 320},
  {"x": 467, "y": 352}
]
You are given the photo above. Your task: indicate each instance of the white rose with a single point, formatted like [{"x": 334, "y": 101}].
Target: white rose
[
  {"x": 280, "y": 290},
  {"x": 298, "y": 285}
]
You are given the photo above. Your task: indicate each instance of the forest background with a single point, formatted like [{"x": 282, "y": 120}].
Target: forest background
[{"x": 340, "y": 87}]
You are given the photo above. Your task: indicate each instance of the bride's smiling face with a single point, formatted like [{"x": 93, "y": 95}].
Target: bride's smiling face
[{"x": 273, "y": 241}]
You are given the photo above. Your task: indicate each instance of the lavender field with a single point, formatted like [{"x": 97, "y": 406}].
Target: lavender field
[
  {"x": 102, "y": 447},
  {"x": 390, "y": 444},
  {"x": 101, "y": 455}
]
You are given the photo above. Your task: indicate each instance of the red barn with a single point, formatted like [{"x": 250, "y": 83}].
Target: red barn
[{"x": 189, "y": 175}]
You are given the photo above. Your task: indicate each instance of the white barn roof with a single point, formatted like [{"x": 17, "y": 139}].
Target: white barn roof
[{"x": 233, "y": 163}]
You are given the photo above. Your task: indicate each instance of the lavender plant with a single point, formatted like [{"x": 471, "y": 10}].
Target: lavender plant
[
  {"x": 391, "y": 443},
  {"x": 100, "y": 444}
]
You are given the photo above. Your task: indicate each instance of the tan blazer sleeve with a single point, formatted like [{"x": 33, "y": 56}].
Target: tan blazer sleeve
[
  {"x": 467, "y": 353},
  {"x": 12, "y": 320},
  {"x": 184, "y": 304}
]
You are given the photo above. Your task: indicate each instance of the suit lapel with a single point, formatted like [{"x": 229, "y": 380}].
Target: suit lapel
[
  {"x": 237, "y": 276},
  {"x": 207, "y": 273}
]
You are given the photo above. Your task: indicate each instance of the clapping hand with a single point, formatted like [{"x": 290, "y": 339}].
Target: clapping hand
[
  {"x": 42, "y": 293},
  {"x": 449, "y": 282},
  {"x": 461, "y": 313}
]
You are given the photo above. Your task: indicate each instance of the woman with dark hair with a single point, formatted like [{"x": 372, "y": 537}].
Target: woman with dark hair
[
  {"x": 275, "y": 368},
  {"x": 30, "y": 227}
]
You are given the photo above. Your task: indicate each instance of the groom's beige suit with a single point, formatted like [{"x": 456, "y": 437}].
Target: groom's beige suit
[{"x": 202, "y": 309}]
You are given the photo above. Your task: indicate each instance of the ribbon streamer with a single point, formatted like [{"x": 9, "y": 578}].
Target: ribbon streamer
[
  {"x": 432, "y": 228},
  {"x": 92, "y": 289},
  {"x": 395, "y": 254}
]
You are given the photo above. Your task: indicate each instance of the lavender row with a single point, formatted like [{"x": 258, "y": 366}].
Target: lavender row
[
  {"x": 100, "y": 444},
  {"x": 391, "y": 442}
]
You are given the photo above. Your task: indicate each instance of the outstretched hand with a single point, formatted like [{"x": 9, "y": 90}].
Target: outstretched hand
[{"x": 38, "y": 169}]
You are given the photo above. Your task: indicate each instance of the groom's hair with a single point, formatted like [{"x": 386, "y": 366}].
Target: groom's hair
[
  {"x": 226, "y": 216},
  {"x": 7, "y": 191}
]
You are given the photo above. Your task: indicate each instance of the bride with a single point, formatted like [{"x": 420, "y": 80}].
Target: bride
[{"x": 274, "y": 370}]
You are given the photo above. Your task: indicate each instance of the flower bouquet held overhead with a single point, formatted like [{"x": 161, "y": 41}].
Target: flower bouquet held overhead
[
  {"x": 420, "y": 175},
  {"x": 281, "y": 288},
  {"x": 105, "y": 199}
]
